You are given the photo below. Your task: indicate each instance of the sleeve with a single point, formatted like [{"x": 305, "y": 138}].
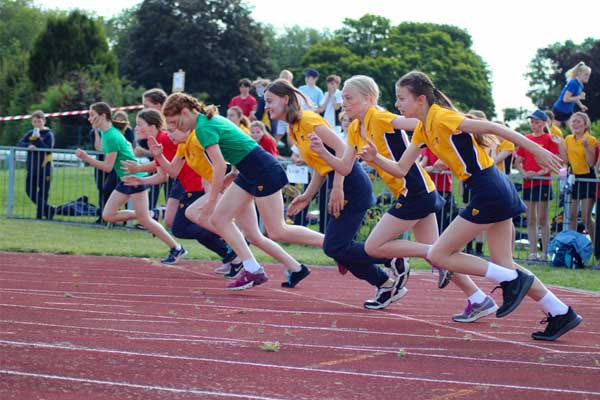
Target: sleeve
[
  {"x": 269, "y": 145},
  {"x": 129, "y": 135},
  {"x": 592, "y": 140},
  {"x": 574, "y": 87},
  {"x": 338, "y": 97},
  {"x": 418, "y": 139},
  {"x": 24, "y": 142},
  {"x": 110, "y": 145},
  {"x": 208, "y": 135},
  {"x": 180, "y": 150},
  {"x": 48, "y": 141},
  {"x": 253, "y": 102},
  {"x": 231, "y": 103},
  {"x": 452, "y": 121},
  {"x": 521, "y": 152}
]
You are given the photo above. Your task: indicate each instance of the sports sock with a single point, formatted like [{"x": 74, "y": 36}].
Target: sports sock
[
  {"x": 178, "y": 247},
  {"x": 251, "y": 265},
  {"x": 478, "y": 297},
  {"x": 498, "y": 273},
  {"x": 551, "y": 304}
]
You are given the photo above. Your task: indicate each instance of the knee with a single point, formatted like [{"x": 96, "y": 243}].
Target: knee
[
  {"x": 435, "y": 256},
  {"x": 108, "y": 216},
  {"x": 331, "y": 249},
  {"x": 277, "y": 233},
  {"x": 178, "y": 231},
  {"x": 372, "y": 248}
]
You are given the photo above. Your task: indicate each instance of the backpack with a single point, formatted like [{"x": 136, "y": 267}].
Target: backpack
[{"x": 566, "y": 256}]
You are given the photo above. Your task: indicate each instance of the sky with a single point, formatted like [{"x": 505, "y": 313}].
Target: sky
[{"x": 506, "y": 34}]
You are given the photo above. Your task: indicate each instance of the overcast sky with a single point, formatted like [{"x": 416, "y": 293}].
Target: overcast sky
[{"x": 506, "y": 34}]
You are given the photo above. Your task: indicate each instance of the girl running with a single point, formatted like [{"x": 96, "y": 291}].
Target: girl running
[
  {"x": 417, "y": 199},
  {"x": 149, "y": 123},
  {"x": 494, "y": 200},
  {"x": 116, "y": 149},
  {"x": 260, "y": 177},
  {"x": 351, "y": 196}
]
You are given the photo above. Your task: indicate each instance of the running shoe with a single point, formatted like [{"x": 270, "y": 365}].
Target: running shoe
[
  {"x": 473, "y": 312},
  {"x": 247, "y": 280},
  {"x": 558, "y": 325},
  {"x": 234, "y": 270},
  {"x": 513, "y": 292},
  {"x": 293, "y": 278},
  {"x": 174, "y": 255}
]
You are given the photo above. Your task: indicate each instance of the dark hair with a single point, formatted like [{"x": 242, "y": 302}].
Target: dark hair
[
  {"x": 102, "y": 108},
  {"x": 38, "y": 114},
  {"x": 245, "y": 82},
  {"x": 156, "y": 96},
  {"x": 244, "y": 121},
  {"x": 152, "y": 117},
  {"x": 334, "y": 78},
  {"x": 178, "y": 101},
  {"x": 282, "y": 88},
  {"x": 419, "y": 84}
]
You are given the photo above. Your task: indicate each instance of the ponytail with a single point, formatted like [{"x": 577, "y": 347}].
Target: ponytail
[{"x": 178, "y": 101}]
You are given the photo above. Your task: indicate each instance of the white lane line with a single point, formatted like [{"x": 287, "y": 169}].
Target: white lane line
[
  {"x": 131, "y": 320},
  {"x": 134, "y": 385},
  {"x": 303, "y": 369}
]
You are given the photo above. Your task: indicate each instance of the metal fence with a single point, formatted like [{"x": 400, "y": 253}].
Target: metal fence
[{"x": 73, "y": 191}]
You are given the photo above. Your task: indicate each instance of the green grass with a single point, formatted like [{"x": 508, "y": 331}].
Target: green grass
[{"x": 48, "y": 237}]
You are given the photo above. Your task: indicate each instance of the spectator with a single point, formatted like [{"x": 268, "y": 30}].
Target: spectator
[
  {"x": 572, "y": 93},
  {"x": 345, "y": 123},
  {"x": 121, "y": 122},
  {"x": 537, "y": 193},
  {"x": 311, "y": 90},
  {"x": 244, "y": 100},
  {"x": 259, "y": 133},
  {"x": 39, "y": 164},
  {"x": 236, "y": 115},
  {"x": 331, "y": 105},
  {"x": 287, "y": 75},
  {"x": 260, "y": 114},
  {"x": 281, "y": 127},
  {"x": 579, "y": 149},
  {"x": 554, "y": 125}
]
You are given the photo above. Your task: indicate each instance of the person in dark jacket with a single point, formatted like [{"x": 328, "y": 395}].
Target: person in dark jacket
[{"x": 39, "y": 164}]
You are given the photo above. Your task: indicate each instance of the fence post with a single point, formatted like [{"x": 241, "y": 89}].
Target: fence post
[
  {"x": 11, "y": 182},
  {"x": 567, "y": 201}
]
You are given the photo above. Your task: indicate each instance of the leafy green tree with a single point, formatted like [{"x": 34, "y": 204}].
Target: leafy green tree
[
  {"x": 216, "y": 42},
  {"x": 72, "y": 43},
  {"x": 547, "y": 70},
  {"x": 372, "y": 46}
]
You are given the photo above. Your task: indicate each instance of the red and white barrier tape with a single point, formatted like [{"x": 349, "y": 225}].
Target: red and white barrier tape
[{"x": 67, "y": 113}]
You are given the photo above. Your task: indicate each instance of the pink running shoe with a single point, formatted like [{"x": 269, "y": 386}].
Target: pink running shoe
[{"x": 247, "y": 280}]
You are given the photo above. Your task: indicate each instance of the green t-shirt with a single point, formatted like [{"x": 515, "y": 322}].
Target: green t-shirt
[
  {"x": 113, "y": 141},
  {"x": 233, "y": 142}
]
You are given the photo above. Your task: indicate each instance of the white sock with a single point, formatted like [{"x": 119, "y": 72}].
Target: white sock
[
  {"x": 551, "y": 304},
  {"x": 478, "y": 297},
  {"x": 178, "y": 247},
  {"x": 251, "y": 265},
  {"x": 499, "y": 274}
]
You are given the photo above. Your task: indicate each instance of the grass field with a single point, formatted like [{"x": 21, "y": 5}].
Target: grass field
[{"x": 48, "y": 237}]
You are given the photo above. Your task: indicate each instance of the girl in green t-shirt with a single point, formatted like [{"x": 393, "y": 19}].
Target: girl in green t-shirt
[{"x": 116, "y": 149}]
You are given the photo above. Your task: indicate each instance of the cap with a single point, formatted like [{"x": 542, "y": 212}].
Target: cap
[
  {"x": 311, "y": 72},
  {"x": 538, "y": 114}
]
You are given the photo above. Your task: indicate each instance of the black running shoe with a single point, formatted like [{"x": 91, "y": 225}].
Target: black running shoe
[
  {"x": 234, "y": 271},
  {"x": 229, "y": 257},
  {"x": 401, "y": 268},
  {"x": 558, "y": 325},
  {"x": 383, "y": 297},
  {"x": 293, "y": 278},
  {"x": 513, "y": 292}
]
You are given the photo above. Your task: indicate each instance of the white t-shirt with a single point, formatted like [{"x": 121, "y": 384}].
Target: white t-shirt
[{"x": 329, "y": 113}]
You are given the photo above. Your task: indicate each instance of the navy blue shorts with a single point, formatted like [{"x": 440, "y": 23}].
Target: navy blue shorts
[
  {"x": 561, "y": 115},
  {"x": 584, "y": 190},
  {"x": 493, "y": 198},
  {"x": 123, "y": 188},
  {"x": 176, "y": 191},
  {"x": 358, "y": 190},
  {"x": 417, "y": 206},
  {"x": 188, "y": 198},
  {"x": 260, "y": 173},
  {"x": 538, "y": 193}
]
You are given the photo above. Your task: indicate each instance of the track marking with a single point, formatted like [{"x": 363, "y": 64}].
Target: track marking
[
  {"x": 134, "y": 385},
  {"x": 303, "y": 369}
]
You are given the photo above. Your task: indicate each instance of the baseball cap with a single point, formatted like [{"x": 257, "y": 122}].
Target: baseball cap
[
  {"x": 538, "y": 114},
  {"x": 311, "y": 72}
]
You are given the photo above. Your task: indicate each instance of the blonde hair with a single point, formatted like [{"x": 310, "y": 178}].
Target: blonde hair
[
  {"x": 573, "y": 72},
  {"x": 365, "y": 85},
  {"x": 244, "y": 121},
  {"x": 178, "y": 101},
  {"x": 584, "y": 116},
  {"x": 262, "y": 127}
]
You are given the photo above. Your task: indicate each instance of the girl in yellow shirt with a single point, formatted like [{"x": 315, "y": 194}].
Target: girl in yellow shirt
[{"x": 494, "y": 201}]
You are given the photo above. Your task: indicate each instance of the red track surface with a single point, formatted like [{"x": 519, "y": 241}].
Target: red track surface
[{"x": 118, "y": 328}]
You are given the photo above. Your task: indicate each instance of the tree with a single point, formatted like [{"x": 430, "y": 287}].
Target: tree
[
  {"x": 216, "y": 42},
  {"x": 387, "y": 52},
  {"x": 547, "y": 70},
  {"x": 73, "y": 43}
]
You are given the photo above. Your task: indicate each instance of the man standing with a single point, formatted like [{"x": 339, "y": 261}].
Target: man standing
[{"x": 311, "y": 90}]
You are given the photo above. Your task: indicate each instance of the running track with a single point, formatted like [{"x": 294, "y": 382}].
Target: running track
[{"x": 123, "y": 328}]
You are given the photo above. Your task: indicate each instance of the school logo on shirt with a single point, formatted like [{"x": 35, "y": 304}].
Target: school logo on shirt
[
  {"x": 260, "y": 188},
  {"x": 398, "y": 205},
  {"x": 474, "y": 212},
  {"x": 436, "y": 140}
]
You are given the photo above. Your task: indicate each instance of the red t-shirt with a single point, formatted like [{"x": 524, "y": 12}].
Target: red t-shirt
[
  {"x": 247, "y": 105},
  {"x": 190, "y": 180},
  {"x": 269, "y": 145},
  {"x": 529, "y": 163},
  {"x": 443, "y": 182}
]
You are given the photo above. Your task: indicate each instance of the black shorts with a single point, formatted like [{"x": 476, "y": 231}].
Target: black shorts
[
  {"x": 261, "y": 174},
  {"x": 538, "y": 193},
  {"x": 123, "y": 188},
  {"x": 561, "y": 115},
  {"x": 176, "y": 191},
  {"x": 493, "y": 198},
  {"x": 584, "y": 190},
  {"x": 417, "y": 206}
]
